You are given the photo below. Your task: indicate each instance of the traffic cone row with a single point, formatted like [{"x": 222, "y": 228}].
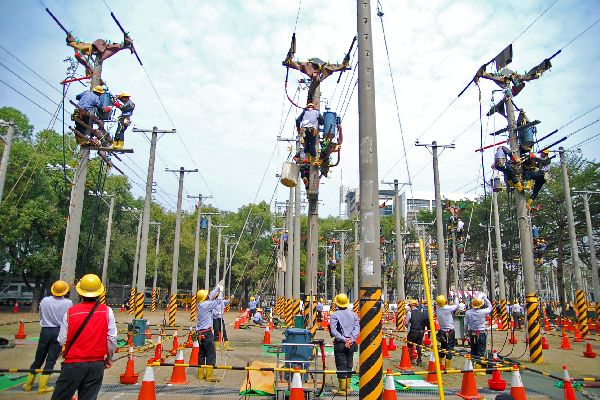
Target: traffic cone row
[
  {"x": 589, "y": 353},
  {"x": 384, "y": 349},
  {"x": 577, "y": 338},
  {"x": 267, "y": 336}
]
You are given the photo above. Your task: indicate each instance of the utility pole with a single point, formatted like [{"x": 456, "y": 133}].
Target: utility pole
[
  {"x": 219, "y": 236},
  {"x": 10, "y": 132},
  {"x": 356, "y": 257},
  {"x": 334, "y": 256},
  {"x": 580, "y": 302},
  {"x": 370, "y": 360},
  {"x": 108, "y": 233},
  {"x": 207, "y": 266},
  {"x": 500, "y": 262},
  {"x": 325, "y": 247},
  {"x": 136, "y": 258},
  {"x": 442, "y": 271},
  {"x": 297, "y": 248},
  {"x": 193, "y": 314},
  {"x": 173, "y": 294},
  {"x": 141, "y": 281},
  {"x": 343, "y": 258},
  {"x": 289, "y": 271},
  {"x": 231, "y": 247},
  {"x": 153, "y": 304},
  {"x": 590, "y": 235}
]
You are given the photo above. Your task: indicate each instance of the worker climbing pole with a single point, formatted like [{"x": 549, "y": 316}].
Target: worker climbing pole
[
  {"x": 97, "y": 53},
  {"x": 512, "y": 83},
  {"x": 308, "y": 126},
  {"x": 370, "y": 360}
]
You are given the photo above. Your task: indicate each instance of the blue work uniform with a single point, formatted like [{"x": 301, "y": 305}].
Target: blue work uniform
[
  {"x": 207, "y": 352},
  {"x": 344, "y": 326},
  {"x": 475, "y": 326}
]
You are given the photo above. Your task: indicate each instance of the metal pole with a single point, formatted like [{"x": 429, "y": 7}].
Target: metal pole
[
  {"x": 500, "y": 262},
  {"x": 136, "y": 261},
  {"x": 356, "y": 257},
  {"x": 441, "y": 247},
  {"x": 342, "y": 286},
  {"x": 289, "y": 271},
  {"x": 5, "y": 155},
  {"x": 193, "y": 314},
  {"x": 229, "y": 270},
  {"x": 580, "y": 301},
  {"x": 333, "y": 292},
  {"x": 399, "y": 247},
  {"x": 218, "y": 257},
  {"x": 107, "y": 240},
  {"x": 526, "y": 241},
  {"x": 590, "y": 235},
  {"x": 371, "y": 362},
  {"x": 326, "y": 269},
  {"x": 454, "y": 261},
  {"x": 207, "y": 266}
]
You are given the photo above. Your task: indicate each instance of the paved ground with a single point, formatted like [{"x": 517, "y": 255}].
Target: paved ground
[{"x": 247, "y": 349}]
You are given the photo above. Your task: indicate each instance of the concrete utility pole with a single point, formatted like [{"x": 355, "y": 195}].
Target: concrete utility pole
[
  {"x": 10, "y": 132},
  {"x": 226, "y": 239},
  {"x": 334, "y": 256},
  {"x": 580, "y": 302},
  {"x": 343, "y": 257},
  {"x": 207, "y": 266},
  {"x": 356, "y": 257},
  {"x": 500, "y": 262},
  {"x": 324, "y": 247},
  {"x": 196, "y": 255},
  {"x": 442, "y": 271},
  {"x": 371, "y": 362},
  {"x": 136, "y": 258},
  {"x": 108, "y": 233},
  {"x": 219, "y": 236},
  {"x": 590, "y": 235},
  {"x": 173, "y": 295},
  {"x": 297, "y": 248},
  {"x": 289, "y": 222},
  {"x": 231, "y": 247},
  {"x": 141, "y": 281},
  {"x": 153, "y": 304}
]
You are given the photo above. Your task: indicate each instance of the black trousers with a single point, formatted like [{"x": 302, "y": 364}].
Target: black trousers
[
  {"x": 343, "y": 358},
  {"x": 48, "y": 349},
  {"x": 217, "y": 325},
  {"x": 447, "y": 341},
  {"x": 310, "y": 140},
  {"x": 85, "y": 378},
  {"x": 478, "y": 341},
  {"x": 538, "y": 181},
  {"x": 208, "y": 353},
  {"x": 124, "y": 122},
  {"x": 85, "y": 118},
  {"x": 415, "y": 337}
]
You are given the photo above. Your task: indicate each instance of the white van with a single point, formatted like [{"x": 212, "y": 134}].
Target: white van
[{"x": 13, "y": 292}]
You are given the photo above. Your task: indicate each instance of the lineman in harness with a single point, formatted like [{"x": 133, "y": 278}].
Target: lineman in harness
[
  {"x": 308, "y": 123},
  {"x": 344, "y": 328},
  {"x": 123, "y": 102},
  {"x": 446, "y": 334},
  {"x": 417, "y": 319},
  {"x": 87, "y": 107},
  {"x": 207, "y": 302},
  {"x": 475, "y": 326}
]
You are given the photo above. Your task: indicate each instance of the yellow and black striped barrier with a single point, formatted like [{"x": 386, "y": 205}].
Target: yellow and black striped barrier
[
  {"x": 356, "y": 307},
  {"x": 194, "y": 310},
  {"x": 172, "y": 309},
  {"x": 533, "y": 329},
  {"x": 503, "y": 316},
  {"x": 132, "y": 301},
  {"x": 370, "y": 357},
  {"x": 139, "y": 306},
  {"x": 103, "y": 296},
  {"x": 581, "y": 307},
  {"x": 307, "y": 313},
  {"x": 153, "y": 304},
  {"x": 401, "y": 316},
  {"x": 288, "y": 315}
]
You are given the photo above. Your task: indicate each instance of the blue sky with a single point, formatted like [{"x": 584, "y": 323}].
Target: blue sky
[{"x": 217, "y": 68}]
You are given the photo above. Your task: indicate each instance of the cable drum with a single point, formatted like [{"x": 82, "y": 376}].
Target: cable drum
[{"x": 289, "y": 174}]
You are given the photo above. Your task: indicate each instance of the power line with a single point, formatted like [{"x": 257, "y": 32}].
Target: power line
[
  {"x": 29, "y": 84},
  {"x": 25, "y": 96},
  {"x": 588, "y": 140},
  {"x": 578, "y": 36},
  {"x": 534, "y": 21}
]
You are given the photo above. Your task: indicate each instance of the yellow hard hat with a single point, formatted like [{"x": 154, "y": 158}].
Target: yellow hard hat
[
  {"x": 123, "y": 94},
  {"x": 201, "y": 295},
  {"x": 413, "y": 302},
  {"x": 477, "y": 302},
  {"x": 441, "y": 300},
  {"x": 322, "y": 300},
  {"x": 90, "y": 286},
  {"x": 98, "y": 89},
  {"x": 341, "y": 300},
  {"x": 310, "y": 105},
  {"x": 516, "y": 302},
  {"x": 251, "y": 298},
  {"x": 59, "y": 288}
]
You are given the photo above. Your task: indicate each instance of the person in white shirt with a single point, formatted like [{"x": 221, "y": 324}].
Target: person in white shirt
[{"x": 446, "y": 334}]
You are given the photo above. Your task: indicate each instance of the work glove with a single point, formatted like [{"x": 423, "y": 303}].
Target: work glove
[{"x": 221, "y": 285}]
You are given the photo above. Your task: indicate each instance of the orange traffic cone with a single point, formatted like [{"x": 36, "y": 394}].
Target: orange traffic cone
[
  {"x": 129, "y": 377},
  {"x": 148, "y": 389},
  {"x": 568, "y": 392},
  {"x": 175, "y": 344},
  {"x": 384, "y": 349},
  {"x": 545, "y": 345},
  {"x": 189, "y": 343},
  {"x": 195, "y": 352},
  {"x": 148, "y": 333},
  {"x": 546, "y": 324},
  {"x": 271, "y": 325},
  {"x": 577, "y": 334},
  {"x": 157, "y": 350},
  {"x": 432, "y": 375},
  {"x": 389, "y": 390},
  {"x": 391, "y": 345},
  {"x": 513, "y": 339},
  {"x": 16, "y": 307},
  {"x": 437, "y": 325},
  {"x": 414, "y": 354},
  {"x": 186, "y": 307},
  {"x": 426, "y": 340},
  {"x": 122, "y": 308},
  {"x": 267, "y": 336},
  {"x": 589, "y": 353},
  {"x": 496, "y": 383},
  {"x": 405, "y": 360},
  {"x": 178, "y": 375},
  {"x": 296, "y": 389},
  {"x": 517, "y": 391},
  {"x": 565, "y": 344},
  {"x": 468, "y": 388},
  {"x": 236, "y": 324},
  {"x": 21, "y": 332}
]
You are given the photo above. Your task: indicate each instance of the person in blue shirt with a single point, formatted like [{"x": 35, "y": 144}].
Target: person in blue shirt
[
  {"x": 89, "y": 102},
  {"x": 252, "y": 304},
  {"x": 344, "y": 328},
  {"x": 123, "y": 103},
  {"x": 207, "y": 302}
]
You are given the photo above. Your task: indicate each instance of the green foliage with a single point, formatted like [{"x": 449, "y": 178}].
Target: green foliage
[{"x": 24, "y": 129}]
